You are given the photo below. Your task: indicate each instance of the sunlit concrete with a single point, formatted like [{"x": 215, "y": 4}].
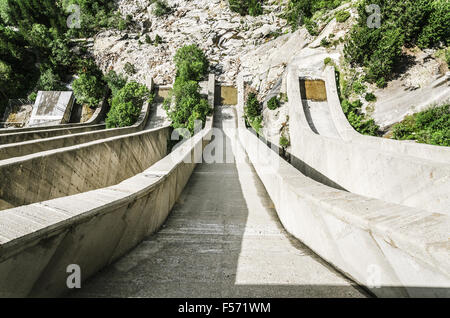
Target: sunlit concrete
[{"x": 222, "y": 239}]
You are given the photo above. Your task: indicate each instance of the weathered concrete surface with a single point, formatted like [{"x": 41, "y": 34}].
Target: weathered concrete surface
[
  {"x": 347, "y": 133},
  {"x": 222, "y": 239},
  {"x": 392, "y": 249},
  {"x": 92, "y": 229},
  {"x": 96, "y": 118},
  {"x": 362, "y": 168},
  {"x": 33, "y": 146},
  {"x": 158, "y": 115},
  {"x": 66, "y": 171},
  {"x": 41, "y": 133},
  {"x": 51, "y": 108}
]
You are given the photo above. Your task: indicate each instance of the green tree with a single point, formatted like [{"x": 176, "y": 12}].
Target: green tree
[
  {"x": 191, "y": 63},
  {"x": 126, "y": 105},
  {"x": 88, "y": 90}
]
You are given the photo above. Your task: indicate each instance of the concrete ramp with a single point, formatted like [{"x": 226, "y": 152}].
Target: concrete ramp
[
  {"x": 51, "y": 108},
  {"x": 393, "y": 250},
  {"x": 222, "y": 239},
  {"x": 364, "y": 166}
]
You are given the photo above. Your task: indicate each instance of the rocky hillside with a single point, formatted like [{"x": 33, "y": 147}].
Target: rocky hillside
[{"x": 225, "y": 37}]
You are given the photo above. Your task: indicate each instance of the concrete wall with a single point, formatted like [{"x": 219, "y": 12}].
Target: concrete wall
[
  {"x": 346, "y": 131},
  {"x": 16, "y": 137},
  {"x": 96, "y": 118},
  {"x": 92, "y": 229},
  {"x": 366, "y": 170},
  {"x": 56, "y": 173},
  {"x": 51, "y": 108},
  {"x": 393, "y": 250},
  {"x": 33, "y": 146}
]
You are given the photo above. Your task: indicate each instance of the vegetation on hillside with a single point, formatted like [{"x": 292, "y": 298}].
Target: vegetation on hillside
[
  {"x": 406, "y": 23},
  {"x": 301, "y": 12},
  {"x": 431, "y": 126},
  {"x": 126, "y": 104},
  {"x": 252, "y": 111},
  {"x": 273, "y": 103},
  {"x": 188, "y": 105},
  {"x": 36, "y": 52},
  {"x": 359, "y": 121},
  {"x": 247, "y": 7}
]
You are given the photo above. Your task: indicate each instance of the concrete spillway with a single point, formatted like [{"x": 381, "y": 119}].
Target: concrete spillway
[
  {"x": 180, "y": 228},
  {"x": 222, "y": 239},
  {"x": 413, "y": 175},
  {"x": 56, "y": 173}
]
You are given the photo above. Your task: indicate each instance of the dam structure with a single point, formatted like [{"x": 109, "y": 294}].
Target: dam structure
[{"x": 222, "y": 214}]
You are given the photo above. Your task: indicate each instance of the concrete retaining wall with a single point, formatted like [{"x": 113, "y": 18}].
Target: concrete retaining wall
[
  {"x": 92, "y": 230},
  {"x": 364, "y": 169},
  {"x": 56, "y": 173},
  {"x": 33, "y": 146},
  {"x": 42, "y": 133},
  {"x": 393, "y": 250},
  {"x": 96, "y": 118},
  {"x": 346, "y": 131}
]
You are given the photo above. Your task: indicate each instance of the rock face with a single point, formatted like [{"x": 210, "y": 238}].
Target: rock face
[
  {"x": 260, "y": 47},
  {"x": 224, "y": 35}
]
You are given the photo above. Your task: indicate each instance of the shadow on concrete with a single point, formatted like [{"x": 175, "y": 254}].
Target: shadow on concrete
[
  {"x": 299, "y": 164},
  {"x": 306, "y": 109},
  {"x": 206, "y": 246}
]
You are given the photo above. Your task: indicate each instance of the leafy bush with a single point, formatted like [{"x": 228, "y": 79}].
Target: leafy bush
[
  {"x": 88, "y": 89},
  {"x": 49, "y": 81},
  {"x": 191, "y": 63},
  {"x": 32, "y": 97},
  {"x": 342, "y": 16},
  {"x": 273, "y": 103},
  {"x": 246, "y": 7},
  {"x": 126, "y": 105},
  {"x": 325, "y": 42},
  {"x": 381, "y": 83},
  {"x": 300, "y": 12},
  {"x": 115, "y": 82},
  {"x": 358, "y": 120},
  {"x": 284, "y": 142},
  {"x": 370, "y": 97},
  {"x": 252, "y": 107},
  {"x": 161, "y": 8},
  {"x": 358, "y": 87},
  {"x": 431, "y": 126},
  {"x": 189, "y": 106},
  {"x": 327, "y": 60},
  {"x": 158, "y": 40},
  {"x": 129, "y": 68}
]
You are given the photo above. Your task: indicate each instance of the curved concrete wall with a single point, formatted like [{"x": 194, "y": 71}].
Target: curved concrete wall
[
  {"x": 33, "y": 146},
  {"x": 393, "y": 250},
  {"x": 66, "y": 171},
  {"x": 346, "y": 131},
  {"x": 364, "y": 169},
  {"x": 92, "y": 229}
]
